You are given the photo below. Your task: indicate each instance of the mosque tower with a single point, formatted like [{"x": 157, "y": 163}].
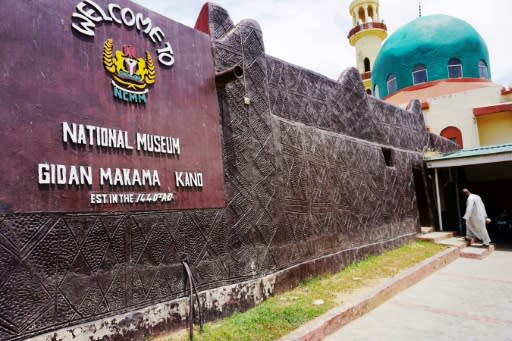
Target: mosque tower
[{"x": 366, "y": 36}]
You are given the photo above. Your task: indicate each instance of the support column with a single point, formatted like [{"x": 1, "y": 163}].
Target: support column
[
  {"x": 438, "y": 199},
  {"x": 458, "y": 200}
]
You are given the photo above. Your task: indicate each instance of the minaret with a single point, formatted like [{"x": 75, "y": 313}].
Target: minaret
[{"x": 366, "y": 36}]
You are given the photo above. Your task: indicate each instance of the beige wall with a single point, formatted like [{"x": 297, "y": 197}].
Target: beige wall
[
  {"x": 495, "y": 128},
  {"x": 367, "y": 46}
]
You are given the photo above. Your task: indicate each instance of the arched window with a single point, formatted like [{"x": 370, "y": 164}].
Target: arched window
[
  {"x": 376, "y": 91},
  {"x": 482, "y": 67},
  {"x": 370, "y": 13},
  {"x": 366, "y": 64},
  {"x": 391, "y": 82},
  {"x": 361, "y": 15},
  {"x": 454, "y": 134},
  {"x": 419, "y": 74},
  {"x": 454, "y": 68}
]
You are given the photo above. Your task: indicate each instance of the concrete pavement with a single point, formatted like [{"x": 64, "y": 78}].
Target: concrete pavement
[{"x": 466, "y": 300}]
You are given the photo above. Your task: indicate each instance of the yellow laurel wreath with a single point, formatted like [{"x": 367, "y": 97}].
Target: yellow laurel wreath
[
  {"x": 108, "y": 58},
  {"x": 151, "y": 75}
]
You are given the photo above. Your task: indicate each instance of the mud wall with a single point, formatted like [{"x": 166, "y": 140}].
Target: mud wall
[{"x": 317, "y": 175}]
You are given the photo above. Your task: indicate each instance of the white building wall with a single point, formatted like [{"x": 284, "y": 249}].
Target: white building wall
[{"x": 457, "y": 110}]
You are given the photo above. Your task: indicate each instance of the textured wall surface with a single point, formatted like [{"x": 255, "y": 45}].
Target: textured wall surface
[
  {"x": 439, "y": 144},
  {"x": 307, "y": 190}
]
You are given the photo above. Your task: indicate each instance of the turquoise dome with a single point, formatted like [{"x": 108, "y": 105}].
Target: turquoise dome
[{"x": 431, "y": 42}]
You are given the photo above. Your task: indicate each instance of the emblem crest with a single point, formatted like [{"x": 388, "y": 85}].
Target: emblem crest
[{"x": 131, "y": 76}]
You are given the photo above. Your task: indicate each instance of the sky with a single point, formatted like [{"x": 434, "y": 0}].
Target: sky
[{"x": 313, "y": 34}]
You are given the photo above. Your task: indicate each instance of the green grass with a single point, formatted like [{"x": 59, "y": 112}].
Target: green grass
[{"x": 283, "y": 313}]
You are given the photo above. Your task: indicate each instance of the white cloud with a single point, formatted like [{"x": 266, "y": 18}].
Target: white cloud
[{"x": 313, "y": 34}]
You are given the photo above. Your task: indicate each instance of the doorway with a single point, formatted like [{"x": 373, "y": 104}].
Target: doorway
[{"x": 422, "y": 201}]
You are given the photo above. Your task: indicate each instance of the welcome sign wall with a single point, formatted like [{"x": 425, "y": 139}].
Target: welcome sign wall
[{"x": 106, "y": 107}]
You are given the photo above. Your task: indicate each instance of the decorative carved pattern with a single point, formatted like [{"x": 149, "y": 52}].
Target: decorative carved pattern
[
  {"x": 338, "y": 193},
  {"x": 344, "y": 107}
]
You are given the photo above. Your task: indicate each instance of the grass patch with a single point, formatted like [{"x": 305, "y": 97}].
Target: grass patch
[{"x": 283, "y": 313}]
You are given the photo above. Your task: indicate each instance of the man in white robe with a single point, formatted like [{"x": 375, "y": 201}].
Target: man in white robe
[{"x": 476, "y": 218}]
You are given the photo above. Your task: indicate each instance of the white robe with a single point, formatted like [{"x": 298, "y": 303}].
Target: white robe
[{"x": 475, "y": 219}]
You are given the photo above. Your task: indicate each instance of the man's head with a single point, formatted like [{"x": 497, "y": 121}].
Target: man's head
[{"x": 466, "y": 192}]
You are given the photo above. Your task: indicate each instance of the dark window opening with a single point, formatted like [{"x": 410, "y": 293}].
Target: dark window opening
[
  {"x": 370, "y": 13},
  {"x": 388, "y": 156},
  {"x": 362, "y": 17},
  {"x": 369, "y": 91},
  {"x": 454, "y": 68},
  {"x": 366, "y": 65},
  {"x": 419, "y": 74},
  {"x": 482, "y": 67},
  {"x": 391, "y": 82}
]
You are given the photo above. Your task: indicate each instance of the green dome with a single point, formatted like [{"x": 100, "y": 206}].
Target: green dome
[{"x": 431, "y": 41}]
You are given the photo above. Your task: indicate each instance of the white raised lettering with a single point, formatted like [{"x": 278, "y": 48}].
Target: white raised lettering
[
  {"x": 140, "y": 22},
  {"x": 61, "y": 174},
  {"x": 85, "y": 175},
  {"x": 156, "y": 179},
  {"x": 87, "y": 14},
  {"x": 179, "y": 181},
  {"x": 156, "y": 141},
  {"x": 112, "y": 138},
  {"x": 90, "y": 131},
  {"x": 90, "y": 13},
  {"x": 146, "y": 177},
  {"x": 188, "y": 179},
  {"x": 111, "y": 8},
  {"x": 68, "y": 131},
  {"x": 103, "y": 141},
  {"x": 136, "y": 178},
  {"x": 126, "y": 177},
  {"x": 105, "y": 176},
  {"x": 126, "y": 144},
  {"x": 43, "y": 172},
  {"x": 81, "y": 135},
  {"x": 84, "y": 26},
  {"x": 156, "y": 35},
  {"x": 141, "y": 141},
  {"x": 166, "y": 55},
  {"x": 73, "y": 176},
  {"x": 124, "y": 15},
  {"x": 118, "y": 177},
  {"x": 176, "y": 146}
]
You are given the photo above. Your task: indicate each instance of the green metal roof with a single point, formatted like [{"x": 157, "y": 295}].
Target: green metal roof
[
  {"x": 487, "y": 154},
  {"x": 430, "y": 41}
]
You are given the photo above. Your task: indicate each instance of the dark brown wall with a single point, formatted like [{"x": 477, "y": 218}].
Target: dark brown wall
[
  {"x": 52, "y": 74},
  {"x": 305, "y": 177}
]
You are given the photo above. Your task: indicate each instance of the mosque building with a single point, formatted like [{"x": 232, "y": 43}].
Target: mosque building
[
  {"x": 440, "y": 60},
  {"x": 444, "y": 62}
]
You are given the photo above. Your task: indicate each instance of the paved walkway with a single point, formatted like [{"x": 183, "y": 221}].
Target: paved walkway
[{"x": 466, "y": 300}]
